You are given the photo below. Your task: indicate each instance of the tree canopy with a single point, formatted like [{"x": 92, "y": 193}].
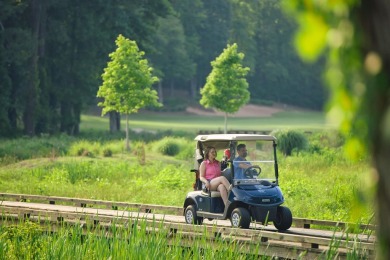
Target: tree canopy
[
  {"x": 127, "y": 81},
  {"x": 226, "y": 88},
  {"x": 52, "y": 54}
]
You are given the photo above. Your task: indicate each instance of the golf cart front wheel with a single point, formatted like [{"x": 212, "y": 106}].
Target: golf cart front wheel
[
  {"x": 240, "y": 217},
  {"x": 191, "y": 216},
  {"x": 283, "y": 219}
]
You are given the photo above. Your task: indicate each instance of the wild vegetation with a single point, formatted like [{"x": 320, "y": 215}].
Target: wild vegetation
[{"x": 318, "y": 182}]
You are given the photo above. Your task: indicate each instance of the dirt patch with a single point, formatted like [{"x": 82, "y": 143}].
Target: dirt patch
[{"x": 245, "y": 111}]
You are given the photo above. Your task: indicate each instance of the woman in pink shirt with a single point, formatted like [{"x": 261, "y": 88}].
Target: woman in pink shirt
[{"x": 210, "y": 174}]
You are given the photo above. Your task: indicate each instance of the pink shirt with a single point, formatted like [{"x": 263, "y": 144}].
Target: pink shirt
[{"x": 213, "y": 169}]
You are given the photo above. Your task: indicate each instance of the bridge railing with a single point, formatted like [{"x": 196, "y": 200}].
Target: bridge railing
[{"x": 151, "y": 208}]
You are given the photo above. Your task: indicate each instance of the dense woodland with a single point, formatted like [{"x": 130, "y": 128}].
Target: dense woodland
[{"x": 52, "y": 54}]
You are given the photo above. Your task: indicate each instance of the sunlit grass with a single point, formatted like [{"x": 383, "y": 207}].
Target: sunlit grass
[
  {"x": 317, "y": 185},
  {"x": 138, "y": 239},
  {"x": 194, "y": 123}
]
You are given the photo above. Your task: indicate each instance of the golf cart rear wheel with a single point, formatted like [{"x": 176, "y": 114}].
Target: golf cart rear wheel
[
  {"x": 240, "y": 217},
  {"x": 283, "y": 218},
  {"x": 191, "y": 216}
]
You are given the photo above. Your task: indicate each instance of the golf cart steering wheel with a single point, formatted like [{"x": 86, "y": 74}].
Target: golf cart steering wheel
[{"x": 251, "y": 171}]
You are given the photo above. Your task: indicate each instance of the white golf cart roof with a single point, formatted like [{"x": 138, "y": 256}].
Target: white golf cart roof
[
  {"x": 234, "y": 137},
  {"x": 222, "y": 141}
]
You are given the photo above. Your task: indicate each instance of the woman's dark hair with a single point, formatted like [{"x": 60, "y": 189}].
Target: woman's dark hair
[{"x": 207, "y": 150}]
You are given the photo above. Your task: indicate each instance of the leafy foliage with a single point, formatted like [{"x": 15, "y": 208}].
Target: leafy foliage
[
  {"x": 180, "y": 38},
  {"x": 290, "y": 140},
  {"x": 226, "y": 87},
  {"x": 350, "y": 35},
  {"x": 21, "y": 241},
  {"x": 127, "y": 80},
  {"x": 168, "y": 146}
]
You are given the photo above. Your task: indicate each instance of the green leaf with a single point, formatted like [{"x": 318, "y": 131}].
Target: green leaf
[{"x": 310, "y": 40}]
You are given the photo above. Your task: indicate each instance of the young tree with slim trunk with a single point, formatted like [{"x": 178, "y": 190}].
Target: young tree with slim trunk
[
  {"x": 127, "y": 82},
  {"x": 226, "y": 88}
]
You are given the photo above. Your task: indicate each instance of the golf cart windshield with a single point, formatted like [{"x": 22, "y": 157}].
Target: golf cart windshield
[
  {"x": 259, "y": 155},
  {"x": 258, "y": 164}
]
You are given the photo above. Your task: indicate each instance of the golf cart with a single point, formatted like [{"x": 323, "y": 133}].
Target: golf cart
[{"x": 255, "y": 196}]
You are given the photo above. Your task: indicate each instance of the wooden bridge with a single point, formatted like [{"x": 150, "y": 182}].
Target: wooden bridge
[{"x": 300, "y": 240}]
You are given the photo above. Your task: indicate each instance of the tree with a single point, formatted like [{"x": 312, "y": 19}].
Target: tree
[
  {"x": 127, "y": 82},
  {"x": 177, "y": 65},
  {"x": 357, "y": 46},
  {"x": 226, "y": 88}
]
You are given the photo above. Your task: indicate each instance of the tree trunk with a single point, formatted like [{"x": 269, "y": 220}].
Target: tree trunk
[
  {"x": 172, "y": 89},
  {"x": 225, "y": 129},
  {"x": 160, "y": 93},
  {"x": 115, "y": 121},
  {"x": 382, "y": 166},
  {"x": 374, "y": 15},
  {"x": 76, "y": 118},
  {"x": 67, "y": 118},
  {"x": 32, "y": 85},
  {"x": 127, "y": 133},
  {"x": 194, "y": 90}
]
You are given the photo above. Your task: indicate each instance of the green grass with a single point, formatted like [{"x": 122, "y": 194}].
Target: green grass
[
  {"x": 318, "y": 183},
  {"x": 142, "y": 241},
  {"x": 138, "y": 240},
  {"x": 315, "y": 185},
  {"x": 194, "y": 123}
]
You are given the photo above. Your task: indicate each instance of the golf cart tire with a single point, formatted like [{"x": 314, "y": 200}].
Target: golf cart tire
[
  {"x": 240, "y": 217},
  {"x": 283, "y": 218},
  {"x": 191, "y": 216}
]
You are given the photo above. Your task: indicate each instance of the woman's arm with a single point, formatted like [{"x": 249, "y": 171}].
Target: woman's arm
[{"x": 202, "y": 173}]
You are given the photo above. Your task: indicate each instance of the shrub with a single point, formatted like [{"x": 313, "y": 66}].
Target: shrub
[
  {"x": 84, "y": 148},
  {"x": 139, "y": 152},
  {"x": 107, "y": 152},
  {"x": 290, "y": 140},
  {"x": 22, "y": 241},
  {"x": 171, "y": 177},
  {"x": 187, "y": 152},
  {"x": 168, "y": 146}
]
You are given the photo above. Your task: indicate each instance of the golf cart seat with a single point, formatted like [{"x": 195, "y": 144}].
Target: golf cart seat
[{"x": 212, "y": 194}]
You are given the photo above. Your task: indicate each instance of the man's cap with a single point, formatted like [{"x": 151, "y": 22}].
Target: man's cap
[{"x": 227, "y": 153}]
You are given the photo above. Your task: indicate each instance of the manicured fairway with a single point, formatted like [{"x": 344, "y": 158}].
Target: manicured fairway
[{"x": 194, "y": 123}]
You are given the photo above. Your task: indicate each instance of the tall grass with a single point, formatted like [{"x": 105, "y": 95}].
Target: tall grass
[
  {"x": 318, "y": 183},
  {"x": 137, "y": 240},
  {"x": 330, "y": 188}
]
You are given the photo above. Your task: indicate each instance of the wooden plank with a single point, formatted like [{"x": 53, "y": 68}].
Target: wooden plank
[
  {"x": 84, "y": 202},
  {"x": 297, "y": 222},
  {"x": 306, "y": 223},
  {"x": 58, "y": 211}
]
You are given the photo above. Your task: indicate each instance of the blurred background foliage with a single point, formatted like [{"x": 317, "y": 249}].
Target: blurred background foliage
[{"x": 52, "y": 55}]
